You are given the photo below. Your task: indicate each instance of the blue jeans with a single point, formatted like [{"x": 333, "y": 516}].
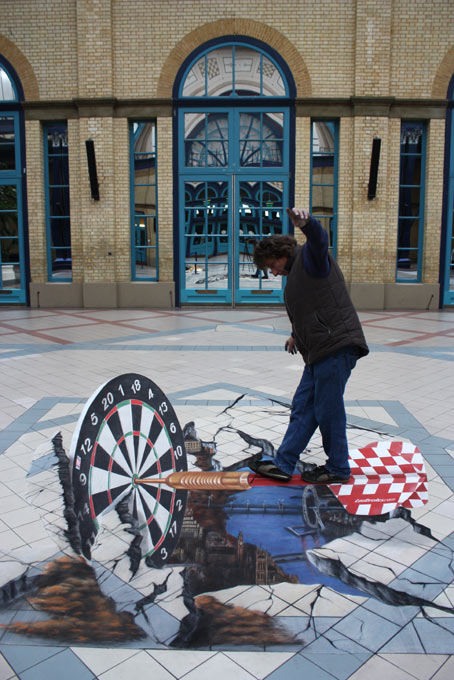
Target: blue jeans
[{"x": 319, "y": 402}]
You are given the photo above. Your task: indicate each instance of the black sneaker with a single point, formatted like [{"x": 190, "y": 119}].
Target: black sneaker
[
  {"x": 320, "y": 475},
  {"x": 266, "y": 468}
]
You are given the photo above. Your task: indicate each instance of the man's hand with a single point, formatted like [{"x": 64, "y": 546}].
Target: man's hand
[
  {"x": 299, "y": 217},
  {"x": 290, "y": 345}
]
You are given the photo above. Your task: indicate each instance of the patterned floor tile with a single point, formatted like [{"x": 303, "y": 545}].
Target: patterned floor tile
[
  {"x": 62, "y": 665},
  {"x": 378, "y": 668},
  {"x": 219, "y": 666},
  {"x": 421, "y": 666},
  {"x": 211, "y": 363},
  {"x": 259, "y": 665},
  {"x": 138, "y": 665},
  {"x": 100, "y": 660},
  {"x": 446, "y": 671}
]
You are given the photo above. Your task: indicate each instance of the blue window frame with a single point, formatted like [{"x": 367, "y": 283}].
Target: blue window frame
[
  {"x": 410, "y": 229},
  {"x": 12, "y": 270},
  {"x": 58, "y": 219},
  {"x": 13, "y": 265},
  {"x": 10, "y": 165},
  {"x": 324, "y": 174},
  {"x": 239, "y": 140},
  {"x": 144, "y": 207}
]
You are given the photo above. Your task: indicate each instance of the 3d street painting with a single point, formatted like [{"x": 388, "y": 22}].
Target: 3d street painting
[{"x": 154, "y": 543}]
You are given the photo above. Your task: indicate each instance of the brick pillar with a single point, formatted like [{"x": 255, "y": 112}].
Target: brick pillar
[
  {"x": 433, "y": 200},
  {"x": 166, "y": 203},
  {"x": 373, "y": 48},
  {"x": 94, "y": 48},
  {"x": 302, "y": 167},
  {"x": 370, "y": 218},
  {"x": 97, "y": 218},
  {"x": 35, "y": 198},
  {"x": 122, "y": 197}
]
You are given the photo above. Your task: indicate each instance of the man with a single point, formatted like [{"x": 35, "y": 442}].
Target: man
[{"x": 327, "y": 332}]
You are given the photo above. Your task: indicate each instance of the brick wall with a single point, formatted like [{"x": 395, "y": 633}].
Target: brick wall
[{"x": 67, "y": 51}]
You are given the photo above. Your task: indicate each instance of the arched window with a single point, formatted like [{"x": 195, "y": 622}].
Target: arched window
[
  {"x": 234, "y": 70},
  {"x": 235, "y": 113}
]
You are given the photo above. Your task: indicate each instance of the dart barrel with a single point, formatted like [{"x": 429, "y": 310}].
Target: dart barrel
[{"x": 197, "y": 480}]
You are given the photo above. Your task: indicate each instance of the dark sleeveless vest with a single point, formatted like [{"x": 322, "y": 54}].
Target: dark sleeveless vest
[{"x": 321, "y": 312}]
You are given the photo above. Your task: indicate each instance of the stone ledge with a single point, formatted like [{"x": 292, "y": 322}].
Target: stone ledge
[
  {"x": 395, "y": 295},
  {"x": 56, "y": 294},
  {"x": 146, "y": 294}
]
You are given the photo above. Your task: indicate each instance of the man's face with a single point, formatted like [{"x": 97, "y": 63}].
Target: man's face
[{"x": 277, "y": 265}]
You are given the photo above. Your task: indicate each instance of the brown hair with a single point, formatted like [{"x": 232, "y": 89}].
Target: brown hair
[{"x": 273, "y": 248}]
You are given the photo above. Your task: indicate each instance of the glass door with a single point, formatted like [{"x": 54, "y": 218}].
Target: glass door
[
  {"x": 233, "y": 192},
  {"x": 259, "y": 213},
  {"x": 223, "y": 220},
  {"x": 12, "y": 267},
  {"x": 206, "y": 243}
]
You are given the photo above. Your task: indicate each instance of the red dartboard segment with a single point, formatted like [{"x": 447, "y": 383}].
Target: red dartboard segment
[{"x": 385, "y": 475}]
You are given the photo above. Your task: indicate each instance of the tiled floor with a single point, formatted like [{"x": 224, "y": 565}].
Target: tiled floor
[{"x": 227, "y": 369}]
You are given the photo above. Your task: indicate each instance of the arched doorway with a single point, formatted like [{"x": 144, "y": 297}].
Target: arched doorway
[
  {"x": 234, "y": 99},
  {"x": 13, "y": 274}
]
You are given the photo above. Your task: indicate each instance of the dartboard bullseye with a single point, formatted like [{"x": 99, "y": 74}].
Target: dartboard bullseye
[{"x": 127, "y": 431}]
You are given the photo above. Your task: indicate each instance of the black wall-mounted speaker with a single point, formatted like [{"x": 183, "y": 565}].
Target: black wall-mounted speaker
[
  {"x": 92, "y": 172},
  {"x": 373, "y": 174}
]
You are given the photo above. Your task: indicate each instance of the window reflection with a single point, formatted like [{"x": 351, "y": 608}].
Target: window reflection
[
  {"x": 206, "y": 235},
  {"x": 7, "y": 143},
  {"x": 234, "y": 70},
  {"x": 323, "y": 178},
  {"x": 207, "y": 145},
  {"x": 57, "y": 201},
  {"x": 7, "y": 92},
  {"x": 145, "y": 225},
  {"x": 206, "y": 140},
  {"x": 261, "y": 139},
  {"x": 9, "y": 238},
  {"x": 261, "y": 214},
  {"x": 410, "y": 202},
  {"x": 208, "y": 239}
]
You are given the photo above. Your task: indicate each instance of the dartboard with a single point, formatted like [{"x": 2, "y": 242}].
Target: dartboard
[{"x": 128, "y": 431}]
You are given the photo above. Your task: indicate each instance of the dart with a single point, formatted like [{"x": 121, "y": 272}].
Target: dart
[
  {"x": 385, "y": 475},
  {"x": 197, "y": 480}
]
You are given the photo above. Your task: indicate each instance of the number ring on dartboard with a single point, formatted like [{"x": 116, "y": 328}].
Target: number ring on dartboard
[{"x": 127, "y": 431}]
